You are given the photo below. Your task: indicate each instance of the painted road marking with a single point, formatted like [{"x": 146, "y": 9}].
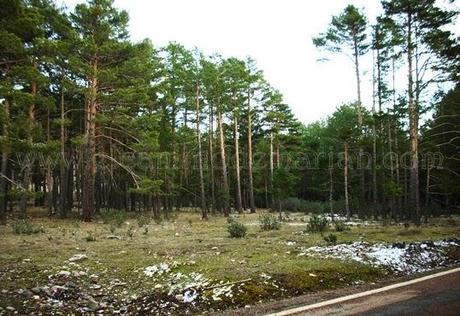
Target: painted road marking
[{"x": 362, "y": 294}]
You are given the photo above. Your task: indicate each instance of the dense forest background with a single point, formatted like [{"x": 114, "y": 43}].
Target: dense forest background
[{"x": 92, "y": 121}]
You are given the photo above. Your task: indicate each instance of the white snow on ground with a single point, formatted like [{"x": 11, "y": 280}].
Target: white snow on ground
[
  {"x": 187, "y": 287},
  {"x": 400, "y": 258}
]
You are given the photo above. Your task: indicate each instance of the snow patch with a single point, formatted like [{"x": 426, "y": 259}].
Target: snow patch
[{"x": 400, "y": 258}]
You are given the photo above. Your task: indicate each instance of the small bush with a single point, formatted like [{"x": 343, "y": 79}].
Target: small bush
[
  {"x": 24, "y": 227},
  {"x": 143, "y": 220},
  {"x": 269, "y": 222},
  {"x": 115, "y": 217},
  {"x": 331, "y": 239},
  {"x": 90, "y": 237},
  {"x": 236, "y": 229},
  {"x": 317, "y": 224},
  {"x": 130, "y": 232},
  {"x": 340, "y": 226}
]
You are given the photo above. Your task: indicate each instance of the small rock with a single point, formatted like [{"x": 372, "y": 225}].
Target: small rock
[
  {"x": 36, "y": 297},
  {"x": 180, "y": 297},
  {"x": 78, "y": 257},
  {"x": 79, "y": 273},
  {"x": 312, "y": 275},
  {"x": 25, "y": 293},
  {"x": 36, "y": 290},
  {"x": 91, "y": 304},
  {"x": 63, "y": 273},
  {"x": 10, "y": 308}
]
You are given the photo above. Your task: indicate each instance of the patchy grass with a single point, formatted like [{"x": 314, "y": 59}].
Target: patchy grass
[{"x": 268, "y": 258}]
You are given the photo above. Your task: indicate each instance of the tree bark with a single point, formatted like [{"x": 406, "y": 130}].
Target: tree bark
[
  {"x": 331, "y": 187},
  {"x": 413, "y": 131},
  {"x": 271, "y": 172},
  {"x": 360, "y": 117},
  {"x": 345, "y": 179},
  {"x": 89, "y": 155},
  {"x": 225, "y": 187},
  {"x": 250, "y": 172},
  {"x": 49, "y": 174},
  {"x": 204, "y": 211},
  {"x": 374, "y": 138},
  {"x": 4, "y": 166},
  {"x": 63, "y": 164},
  {"x": 211, "y": 158},
  {"x": 237, "y": 166}
]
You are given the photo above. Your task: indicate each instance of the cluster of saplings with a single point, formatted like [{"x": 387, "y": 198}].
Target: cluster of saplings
[
  {"x": 94, "y": 121},
  {"x": 316, "y": 224}
]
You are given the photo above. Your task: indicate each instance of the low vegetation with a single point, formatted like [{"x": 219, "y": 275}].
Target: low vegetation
[
  {"x": 269, "y": 222},
  {"x": 264, "y": 265}
]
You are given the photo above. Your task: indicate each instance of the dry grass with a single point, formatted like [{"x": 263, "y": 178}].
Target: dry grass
[{"x": 27, "y": 260}]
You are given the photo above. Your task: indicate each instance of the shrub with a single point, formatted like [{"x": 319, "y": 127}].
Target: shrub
[
  {"x": 143, "y": 220},
  {"x": 130, "y": 232},
  {"x": 331, "y": 239},
  {"x": 317, "y": 224},
  {"x": 340, "y": 226},
  {"x": 236, "y": 229},
  {"x": 90, "y": 237},
  {"x": 115, "y": 217},
  {"x": 269, "y": 222},
  {"x": 24, "y": 227}
]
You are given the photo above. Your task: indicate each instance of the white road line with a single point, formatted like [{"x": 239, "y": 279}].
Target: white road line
[{"x": 362, "y": 294}]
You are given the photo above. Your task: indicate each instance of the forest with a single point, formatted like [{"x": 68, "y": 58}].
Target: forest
[
  {"x": 91, "y": 120},
  {"x": 99, "y": 131}
]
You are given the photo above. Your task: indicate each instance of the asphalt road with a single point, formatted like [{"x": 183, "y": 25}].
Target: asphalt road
[{"x": 437, "y": 296}]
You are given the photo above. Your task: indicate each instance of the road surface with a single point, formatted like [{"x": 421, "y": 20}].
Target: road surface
[{"x": 437, "y": 294}]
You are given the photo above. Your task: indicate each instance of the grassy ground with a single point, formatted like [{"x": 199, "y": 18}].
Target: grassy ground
[{"x": 28, "y": 261}]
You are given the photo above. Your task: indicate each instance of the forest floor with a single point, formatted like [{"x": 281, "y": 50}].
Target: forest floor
[{"x": 186, "y": 265}]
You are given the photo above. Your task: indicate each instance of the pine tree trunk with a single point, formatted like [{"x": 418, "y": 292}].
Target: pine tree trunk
[
  {"x": 250, "y": 172},
  {"x": 331, "y": 187},
  {"x": 49, "y": 174},
  {"x": 427, "y": 188},
  {"x": 211, "y": 158},
  {"x": 225, "y": 187},
  {"x": 345, "y": 179},
  {"x": 204, "y": 211},
  {"x": 360, "y": 119},
  {"x": 89, "y": 155},
  {"x": 4, "y": 165},
  {"x": 413, "y": 132},
  {"x": 374, "y": 138},
  {"x": 271, "y": 173},
  {"x": 63, "y": 164},
  {"x": 237, "y": 167},
  {"x": 392, "y": 177}
]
